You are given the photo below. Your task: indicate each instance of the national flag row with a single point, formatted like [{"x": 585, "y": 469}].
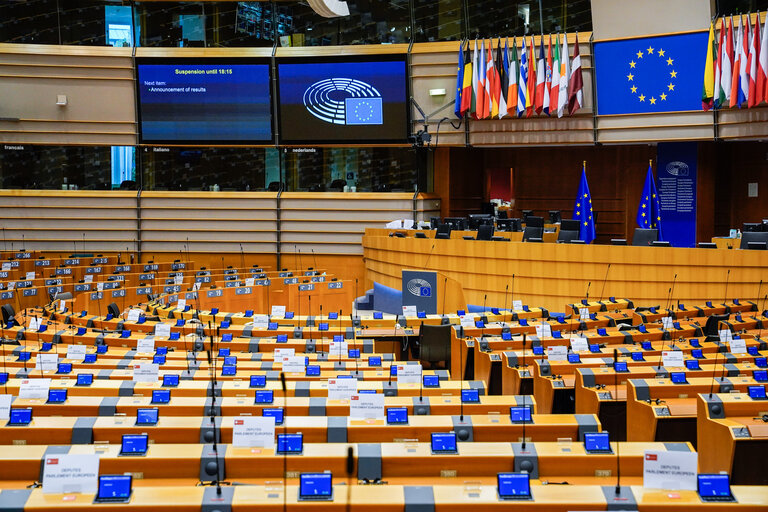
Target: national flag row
[
  {"x": 736, "y": 70},
  {"x": 499, "y": 84}
]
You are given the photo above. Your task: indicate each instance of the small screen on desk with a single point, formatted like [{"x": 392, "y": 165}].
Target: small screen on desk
[
  {"x": 397, "y": 415},
  {"x": 313, "y": 370},
  {"x": 282, "y": 338},
  {"x": 258, "y": 381},
  {"x": 3, "y": 377},
  {"x": 230, "y": 360},
  {"x": 761, "y": 362},
  {"x": 265, "y": 397},
  {"x": 520, "y": 414},
  {"x": 290, "y": 443},
  {"x": 646, "y": 345},
  {"x": 694, "y": 342},
  {"x": 102, "y": 349},
  {"x": 713, "y": 485},
  {"x": 597, "y": 442},
  {"x": 431, "y": 381},
  {"x": 57, "y": 396},
  {"x": 114, "y": 487},
  {"x": 161, "y": 396},
  {"x": 392, "y": 369},
  {"x": 83, "y": 379},
  {"x": 374, "y": 361},
  {"x": 223, "y": 352},
  {"x": 574, "y": 358},
  {"x": 637, "y": 356},
  {"x": 229, "y": 369},
  {"x": 538, "y": 350},
  {"x": 678, "y": 377},
  {"x": 315, "y": 486},
  {"x": 276, "y": 413},
  {"x": 620, "y": 366},
  {"x": 134, "y": 444},
  {"x": 20, "y": 416},
  {"x": 353, "y": 353},
  {"x": 756, "y": 392},
  {"x": 760, "y": 375},
  {"x": 170, "y": 380},
  {"x": 506, "y": 336},
  {"x": 64, "y": 368},
  {"x": 697, "y": 353},
  {"x": 90, "y": 358},
  {"x": 692, "y": 364},
  {"x": 158, "y": 359},
  {"x": 752, "y": 351},
  {"x": 46, "y": 346},
  {"x": 147, "y": 416},
  {"x": 24, "y": 356},
  {"x": 514, "y": 485},
  {"x": 161, "y": 351},
  {"x": 444, "y": 442},
  {"x": 470, "y": 396}
]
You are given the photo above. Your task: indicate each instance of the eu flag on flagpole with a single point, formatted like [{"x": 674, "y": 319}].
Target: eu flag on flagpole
[
  {"x": 459, "y": 81},
  {"x": 648, "y": 211},
  {"x": 582, "y": 210}
]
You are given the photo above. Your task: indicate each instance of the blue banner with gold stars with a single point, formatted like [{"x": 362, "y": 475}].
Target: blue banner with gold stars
[{"x": 650, "y": 74}]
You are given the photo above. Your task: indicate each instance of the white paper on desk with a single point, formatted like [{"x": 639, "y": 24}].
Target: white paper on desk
[
  {"x": 468, "y": 322},
  {"x": 260, "y": 321},
  {"x": 666, "y": 322},
  {"x": 410, "y": 311},
  {"x": 196, "y": 286},
  {"x": 395, "y": 224},
  {"x": 738, "y": 346},
  {"x": 544, "y": 330},
  {"x": 280, "y": 353},
  {"x": 76, "y": 352},
  {"x": 100, "y": 287},
  {"x": 579, "y": 344},
  {"x": 341, "y": 389},
  {"x": 253, "y": 431},
  {"x": 46, "y": 362},
  {"x": 673, "y": 358},
  {"x": 145, "y": 346},
  {"x": 249, "y": 281},
  {"x": 408, "y": 373},
  {"x": 293, "y": 364},
  {"x": 278, "y": 311},
  {"x": 583, "y": 313},
  {"x": 557, "y": 353},
  {"x": 408, "y": 223},
  {"x": 181, "y": 304},
  {"x": 178, "y": 279},
  {"x": 62, "y": 305},
  {"x": 5, "y": 406},
  {"x": 34, "y": 323},
  {"x": 725, "y": 335},
  {"x": 517, "y": 305},
  {"x": 134, "y": 314},
  {"x": 30, "y": 275},
  {"x": 88, "y": 278},
  {"x": 145, "y": 372},
  {"x": 163, "y": 329},
  {"x": 6, "y": 266},
  {"x": 366, "y": 406},
  {"x": 12, "y": 285},
  {"x": 34, "y": 388},
  {"x": 339, "y": 348},
  {"x": 67, "y": 473},
  {"x": 670, "y": 470}
]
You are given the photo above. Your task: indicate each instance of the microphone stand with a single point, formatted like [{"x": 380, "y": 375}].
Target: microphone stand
[
  {"x": 525, "y": 407},
  {"x": 285, "y": 453},
  {"x": 354, "y": 342},
  {"x": 605, "y": 279},
  {"x": 727, "y": 278},
  {"x": 618, "y": 443},
  {"x": 314, "y": 260},
  {"x": 482, "y": 329},
  {"x": 506, "y": 289}
]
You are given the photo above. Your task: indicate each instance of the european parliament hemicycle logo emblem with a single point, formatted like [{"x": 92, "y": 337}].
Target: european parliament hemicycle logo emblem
[
  {"x": 344, "y": 101},
  {"x": 419, "y": 288}
]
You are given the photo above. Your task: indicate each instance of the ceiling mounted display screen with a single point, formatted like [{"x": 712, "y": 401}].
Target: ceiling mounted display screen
[
  {"x": 204, "y": 101},
  {"x": 343, "y": 100}
]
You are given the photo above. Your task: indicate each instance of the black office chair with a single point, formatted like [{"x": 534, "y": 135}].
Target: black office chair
[
  {"x": 443, "y": 232},
  {"x": 644, "y": 236},
  {"x": 526, "y": 214},
  {"x": 275, "y": 186},
  {"x": 534, "y": 228},
  {"x": 710, "y": 328},
  {"x": 338, "y": 185},
  {"x": 434, "y": 344},
  {"x": 569, "y": 231},
  {"x": 555, "y": 216},
  {"x": 516, "y": 224},
  {"x": 113, "y": 309},
  {"x": 484, "y": 232},
  {"x": 434, "y": 222},
  {"x": 8, "y": 314}
]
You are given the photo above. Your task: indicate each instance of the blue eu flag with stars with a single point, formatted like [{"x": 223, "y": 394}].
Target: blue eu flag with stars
[
  {"x": 650, "y": 74},
  {"x": 648, "y": 211},
  {"x": 582, "y": 210}
]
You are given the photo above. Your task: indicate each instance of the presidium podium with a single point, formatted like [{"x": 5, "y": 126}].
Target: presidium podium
[{"x": 431, "y": 292}]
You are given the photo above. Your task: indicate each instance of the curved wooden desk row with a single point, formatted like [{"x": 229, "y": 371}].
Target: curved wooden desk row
[
  {"x": 240, "y": 387},
  {"x": 738, "y": 426},
  {"x": 237, "y": 406},
  {"x": 391, "y": 498},
  {"x": 316, "y": 429},
  {"x": 376, "y": 460}
]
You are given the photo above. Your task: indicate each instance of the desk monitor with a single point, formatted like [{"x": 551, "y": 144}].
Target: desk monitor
[
  {"x": 102, "y": 349},
  {"x": 374, "y": 361},
  {"x": 230, "y": 360},
  {"x": 470, "y": 396},
  {"x": 226, "y": 336},
  {"x": 444, "y": 442},
  {"x": 288, "y": 315},
  {"x": 282, "y": 338},
  {"x": 378, "y": 315},
  {"x": 90, "y": 358},
  {"x": 594, "y": 348},
  {"x": 265, "y": 397},
  {"x": 597, "y": 442},
  {"x": 20, "y": 417},
  {"x": 161, "y": 396},
  {"x": 514, "y": 486},
  {"x": 646, "y": 345},
  {"x": 574, "y": 358},
  {"x": 223, "y": 352},
  {"x": 170, "y": 380},
  {"x": 620, "y": 367},
  {"x": 83, "y": 379},
  {"x": 276, "y": 413},
  {"x": 64, "y": 368},
  {"x": 753, "y": 351},
  {"x": 638, "y": 356},
  {"x": 57, "y": 396},
  {"x": 24, "y": 356},
  {"x": 114, "y": 489},
  {"x": 290, "y": 443},
  {"x": 756, "y": 392},
  {"x": 520, "y": 414},
  {"x": 538, "y": 350},
  {"x": 714, "y": 487},
  {"x": 692, "y": 364},
  {"x": 506, "y": 336},
  {"x": 694, "y": 342},
  {"x": 761, "y": 362},
  {"x": 353, "y": 353},
  {"x": 316, "y": 486},
  {"x": 333, "y": 315},
  {"x": 3, "y": 377},
  {"x": 397, "y": 415},
  {"x": 313, "y": 370},
  {"x": 697, "y": 353},
  {"x": 158, "y": 359},
  {"x": 258, "y": 381},
  {"x": 228, "y": 369},
  {"x": 47, "y": 346},
  {"x": 147, "y": 416},
  {"x": 431, "y": 381},
  {"x": 678, "y": 378},
  {"x": 161, "y": 351},
  {"x": 366, "y": 392},
  {"x": 393, "y": 370},
  {"x": 760, "y": 375},
  {"x": 134, "y": 444}
]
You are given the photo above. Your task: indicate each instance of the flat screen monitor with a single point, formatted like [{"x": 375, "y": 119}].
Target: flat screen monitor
[
  {"x": 223, "y": 352},
  {"x": 134, "y": 444},
  {"x": 713, "y": 486},
  {"x": 64, "y": 368},
  {"x": 47, "y": 345},
  {"x": 90, "y": 358},
  {"x": 646, "y": 345},
  {"x": 620, "y": 367},
  {"x": 697, "y": 353},
  {"x": 756, "y": 392},
  {"x": 353, "y": 353},
  {"x": 204, "y": 101},
  {"x": 102, "y": 349},
  {"x": 265, "y": 396},
  {"x": 114, "y": 488},
  {"x": 514, "y": 486},
  {"x": 170, "y": 380},
  {"x": 313, "y": 370},
  {"x": 678, "y": 377},
  {"x": 3, "y": 377},
  {"x": 761, "y": 362},
  {"x": 638, "y": 356},
  {"x": 20, "y": 416},
  {"x": 760, "y": 375},
  {"x": 444, "y": 442},
  {"x": 147, "y": 416},
  {"x": 228, "y": 369},
  {"x": 574, "y": 358},
  {"x": 282, "y": 338},
  {"x": 161, "y": 396},
  {"x": 470, "y": 396},
  {"x": 431, "y": 381},
  {"x": 374, "y": 361},
  {"x": 276, "y": 413},
  {"x": 393, "y": 370},
  {"x": 57, "y": 396},
  {"x": 83, "y": 379},
  {"x": 338, "y": 100},
  {"x": 692, "y": 364},
  {"x": 520, "y": 414},
  {"x": 290, "y": 443},
  {"x": 158, "y": 359},
  {"x": 397, "y": 415},
  {"x": 258, "y": 381},
  {"x": 597, "y": 442},
  {"x": 161, "y": 351},
  {"x": 230, "y": 360},
  {"x": 315, "y": 486}
]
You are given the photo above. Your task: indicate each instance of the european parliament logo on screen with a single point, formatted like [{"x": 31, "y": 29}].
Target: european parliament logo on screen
[{"x": 344, "y": 101}]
